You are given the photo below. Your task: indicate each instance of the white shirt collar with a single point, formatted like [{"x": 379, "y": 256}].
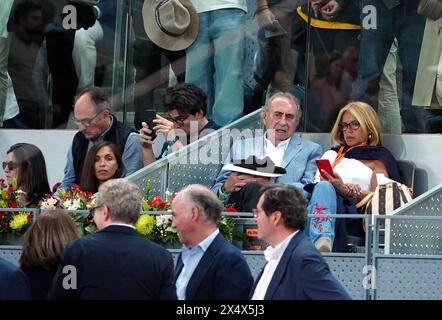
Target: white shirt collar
[
  {"x": 122, "y": 224},
  {"x": 275, "y": 253},
  {"x": 283, "y": 144}
]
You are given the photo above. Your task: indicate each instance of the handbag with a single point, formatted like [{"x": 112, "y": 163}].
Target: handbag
[
  {"x": 431, "y": 9},
  {"x": 387, "y": 197}
]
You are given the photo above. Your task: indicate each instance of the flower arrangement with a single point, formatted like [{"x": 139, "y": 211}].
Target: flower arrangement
[
  {"x": 75, "y": 199},
  {"x": 15, "y": 223},
  {"x": 158, "y": 228}
]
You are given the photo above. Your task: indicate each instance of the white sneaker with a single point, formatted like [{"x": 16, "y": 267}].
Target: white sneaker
[{"x": 324, "y": 244}]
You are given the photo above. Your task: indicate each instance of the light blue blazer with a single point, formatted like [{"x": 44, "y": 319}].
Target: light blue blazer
[{"x": 299, "y": 160}]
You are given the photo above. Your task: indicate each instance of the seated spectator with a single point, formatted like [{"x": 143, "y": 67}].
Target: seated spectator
[
  {"x": 116, "y": 263},
  {"x": 208, "y": 268},
  {"x": 294, "y": 269},
  {"x": 14, "y": 284},
  {"x": 356, "y": 160},
  {"x": 43, "y": 246},
  {"x": 27, "y": 165},
  {"x": 186, "y": 106},
  {"x": 281, "y": 115},
  {"x": 96, "y": 123},
  {"x": 103, "y": 162}
]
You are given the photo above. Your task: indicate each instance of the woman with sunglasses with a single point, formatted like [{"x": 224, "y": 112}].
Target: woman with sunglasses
[
  {"x": 355, "y": 161},
  {"x": 26, "y": 163},
  {"x": 103, "y": 162}
]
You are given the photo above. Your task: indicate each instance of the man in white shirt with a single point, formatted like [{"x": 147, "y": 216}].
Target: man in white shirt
[
  {"x": 295, "y": 270},
  {"x": 208, "y": 268},
  {"x": 281, "y": 115}
]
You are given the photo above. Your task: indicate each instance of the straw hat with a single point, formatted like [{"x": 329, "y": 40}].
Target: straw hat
[{"x": 170, "y": 24}]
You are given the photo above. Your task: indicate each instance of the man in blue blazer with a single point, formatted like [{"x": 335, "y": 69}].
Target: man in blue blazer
[
  {"x": 14, "y": 284},
  {"x": 116, "y": 262},
  {"x": 295, "y": 270},
  {"x": 208, "y": 268},
  {"x": 281, "y": 116}
]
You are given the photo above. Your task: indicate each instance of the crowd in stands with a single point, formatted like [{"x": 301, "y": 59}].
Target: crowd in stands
[
  {"x": 279, "y": 165},
  {"x": 274, "y": 175},
  {"x": 45, "y": 59}
]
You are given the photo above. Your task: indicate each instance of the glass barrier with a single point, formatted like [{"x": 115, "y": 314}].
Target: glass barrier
[{"x": 327, "y": 53}]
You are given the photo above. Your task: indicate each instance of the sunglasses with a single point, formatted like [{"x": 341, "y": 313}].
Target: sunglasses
[{"x": 11, "y": 165}]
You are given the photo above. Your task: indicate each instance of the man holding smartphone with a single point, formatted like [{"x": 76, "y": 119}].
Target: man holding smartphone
[{"x": 184, "y": 123}]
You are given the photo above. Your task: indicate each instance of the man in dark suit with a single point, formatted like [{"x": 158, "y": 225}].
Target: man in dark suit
[
  {"x": 116, "y": 262},
  {"x": 208, "y": 268},
  {"x": 14, "y": 284},
  {"x": 295, "y": 269}
]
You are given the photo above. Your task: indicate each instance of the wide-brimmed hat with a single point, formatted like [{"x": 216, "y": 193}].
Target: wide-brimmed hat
[
  {"x": 170, "y": 24},
  {"x": 258, "y": 167}
]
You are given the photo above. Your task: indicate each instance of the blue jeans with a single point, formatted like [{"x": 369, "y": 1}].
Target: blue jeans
[
  {"x": 323, "y": 201},
  {"x": 215, "y": 61},
  {"x": 403, "y": 23}
]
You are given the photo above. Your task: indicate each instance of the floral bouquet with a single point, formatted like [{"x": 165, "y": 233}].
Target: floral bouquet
[
  {"x": 15, "y": 223},
  {"x": 158, "y": 228},
  {"x": 75, "y": 199}
]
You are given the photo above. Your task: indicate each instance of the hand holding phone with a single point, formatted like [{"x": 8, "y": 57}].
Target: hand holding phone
[
  {"x": 151, "y": 115},
  {"x": 324, "y": 164},
  {"x": 277, "y": 31}
]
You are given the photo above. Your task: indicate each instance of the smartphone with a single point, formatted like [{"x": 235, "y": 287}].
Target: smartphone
[
  {"x": 279, "y": 30},
  {"x": 324, "y": 164},
  {"x": 165, "y": 115},
  {"x": 151, "y": 115}
]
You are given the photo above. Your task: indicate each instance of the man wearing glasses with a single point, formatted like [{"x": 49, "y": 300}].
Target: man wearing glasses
[
  {"x": 187, "y": 122},
  {"x": 96, "y": 123},
  {"x": 281, "y": 115},
  {"x": 115, "y": 263},
  {"x": 294, "y": 269}
]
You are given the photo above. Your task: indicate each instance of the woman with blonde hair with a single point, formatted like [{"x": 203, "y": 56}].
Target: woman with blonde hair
[
  {"x": 355, "y": 161},
  {"x": 43, "y": 246}
]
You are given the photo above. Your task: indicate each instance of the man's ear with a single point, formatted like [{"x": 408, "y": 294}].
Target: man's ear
[
  {"x": 195, "y": 214},
  {"x": 277, "y": 218},
  {"x": 106, "y": 214},
  {"x": 199, "y": 114}
]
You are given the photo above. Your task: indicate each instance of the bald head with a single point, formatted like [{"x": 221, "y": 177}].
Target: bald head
[{"x": 204, "y": 199}]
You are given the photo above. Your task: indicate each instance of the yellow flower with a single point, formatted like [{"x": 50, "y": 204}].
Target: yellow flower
[
  {"x": 145, "y": 224},
  {"x": 19, "y": 221}
]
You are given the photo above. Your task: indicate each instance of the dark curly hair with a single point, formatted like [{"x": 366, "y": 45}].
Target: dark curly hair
[{"x": 186, "y": 98}]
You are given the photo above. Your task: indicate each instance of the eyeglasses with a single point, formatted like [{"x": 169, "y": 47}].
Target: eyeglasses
[
  {"x": 354, "y": 125},
  {"x": 92, "y": 212},
  {"x": 11, "y": 165},
  {"x": 86, "y": 122},
  {"x": 179, "y": 120},
  {"x": 255, "y": 213}
]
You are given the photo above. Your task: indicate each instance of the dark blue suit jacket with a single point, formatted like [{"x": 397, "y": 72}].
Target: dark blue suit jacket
[
  {"x": 14, "y": 284},
  {"x": 116, "y": 263},
  {"x": 302, "y": 274},
  {"x": 221, "y": 274}
]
